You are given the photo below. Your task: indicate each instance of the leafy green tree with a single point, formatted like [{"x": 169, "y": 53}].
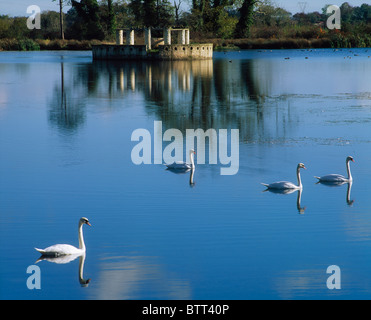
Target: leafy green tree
[
  {"x": 50, "y": 25},
  {"x": 111, "y": 18},
  {"x": 149, "y": 13},
  {"x": 246, "y": 19},
  {"x": 267, "y": 14},
  {"x": 362, "y": 14},
  {"x": 225, "y": 24},
  {"x": 136, "y": 10},
  {"x": 152, "y": 13},
  {"x": 88, "y": 23},
  {"x": 123, "y": 15},
  {"x": 108, "y": 17},
  {"x": 346, "y": 12},
  {"x": 4, "y": 26}
]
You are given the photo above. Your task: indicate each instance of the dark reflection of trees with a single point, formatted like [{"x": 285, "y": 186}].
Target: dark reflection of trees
[
  {"x": 247, "y": 78},
  {"x": 65, "y": 111},
  {"x": 185, "y": 94},
  {"x": 182, "y": 94}
]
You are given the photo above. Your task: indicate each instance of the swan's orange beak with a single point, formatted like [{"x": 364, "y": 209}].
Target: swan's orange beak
[{"x": 88, "y": 223}]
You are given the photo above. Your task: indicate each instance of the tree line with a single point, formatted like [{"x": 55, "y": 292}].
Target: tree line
[{"x": 90, "y": 19}]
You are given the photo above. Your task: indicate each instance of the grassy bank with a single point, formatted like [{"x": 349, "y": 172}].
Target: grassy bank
[
  {"x": 261, "y": 43},
  {"x": 295, "y": 37},
  {"x": 40, "y": 44},
  {"x": 261, "y": 38},
  {"x": 292, "y": 43}
]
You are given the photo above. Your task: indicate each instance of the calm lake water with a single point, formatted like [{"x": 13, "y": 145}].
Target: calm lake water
[{"x": 65, "y": 152}]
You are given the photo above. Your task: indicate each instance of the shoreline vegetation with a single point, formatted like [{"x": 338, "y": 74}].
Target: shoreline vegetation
[
  {"x": 218, "y": 43},
  {"x": 243, "y": 24}
]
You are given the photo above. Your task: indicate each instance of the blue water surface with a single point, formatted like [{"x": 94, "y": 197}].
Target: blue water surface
[{"x": 65, "y": 152}]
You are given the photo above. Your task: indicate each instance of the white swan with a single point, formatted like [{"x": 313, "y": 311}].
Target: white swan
[
  {"x": 338, "y": 178},
  {"x": 180, "y": 165},
  {"x": 64, "y": 249},
  {"x": 281, "y": 185}
]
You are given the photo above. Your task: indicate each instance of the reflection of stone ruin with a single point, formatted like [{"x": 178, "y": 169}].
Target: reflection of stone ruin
[
  {"x": 164, "y": 48},
  {"x": 175, "y": 77}
]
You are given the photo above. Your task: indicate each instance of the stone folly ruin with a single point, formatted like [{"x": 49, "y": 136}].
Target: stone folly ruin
[{"x": 174, "y": 45}]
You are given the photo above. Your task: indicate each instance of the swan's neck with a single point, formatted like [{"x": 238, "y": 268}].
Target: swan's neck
[
  {"x": 81, "y": 238},
  {"x": 299, "y": 178},
  {"x": 192, "y": 160},
  {"x": 349, "y": 173}
]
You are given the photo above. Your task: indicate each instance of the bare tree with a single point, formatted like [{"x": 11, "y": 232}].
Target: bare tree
[
  {"x": 177, "y": 11},
  {"x": 61, "y": 4}
]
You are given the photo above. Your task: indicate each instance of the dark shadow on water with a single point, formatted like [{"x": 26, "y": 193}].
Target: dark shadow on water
[
  {"x": 67, "y": 259},
  {"x": 300, "y": 209},
  {"x": 182, "y": 94},
  {"x": 338, "y": 184}
]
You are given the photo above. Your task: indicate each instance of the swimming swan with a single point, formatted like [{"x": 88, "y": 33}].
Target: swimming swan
[
  {"x": 64, "y": 249},
  {"x": 281, "y": 185},
  {"x": 180, "y": 165},
  {"x": 338, "y": 178}
]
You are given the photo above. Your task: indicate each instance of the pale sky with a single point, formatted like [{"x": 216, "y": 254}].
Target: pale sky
[{"x": 19, "y": 7}]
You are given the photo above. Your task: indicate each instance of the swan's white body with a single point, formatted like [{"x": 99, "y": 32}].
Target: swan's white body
[
  {"x": 66, "y": 249},
  {"x": 61, "y": 249},
  {"x": 180, "y": 165},
  {"x": 338, "y": 178},
  {"x": 283, "y": 185}
]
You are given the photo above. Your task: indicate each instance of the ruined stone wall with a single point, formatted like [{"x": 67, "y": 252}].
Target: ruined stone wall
[
  {"x": 162, "y": 52},
  {"x": 181, "y": 52}
]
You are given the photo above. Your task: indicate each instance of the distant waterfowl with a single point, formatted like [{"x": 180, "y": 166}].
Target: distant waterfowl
[
  {"x": 282, "y": 185},
  {"x": 66, "y": 249},
  {"x": 338, "y": 178},
  {"x": 180, "y": 165}
]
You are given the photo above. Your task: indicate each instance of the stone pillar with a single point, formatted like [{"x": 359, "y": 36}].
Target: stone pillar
[
  {"x": 182, "y": 36},
  {"x": 167, "y": 36},
  {"x": 130, "y": 37},
  {"x": 186, "y": 36},
  {"x": 147, "y": 38},
  {"x": 119, "y": 36}
]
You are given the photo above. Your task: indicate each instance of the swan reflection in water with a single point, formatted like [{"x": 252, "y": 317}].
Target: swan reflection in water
[
  {"x": 191, "y": 174},
  {"x": 301, "y": 209},
  {"x": 67, "y": 259},
  {"x": 338, "y": 184}
]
